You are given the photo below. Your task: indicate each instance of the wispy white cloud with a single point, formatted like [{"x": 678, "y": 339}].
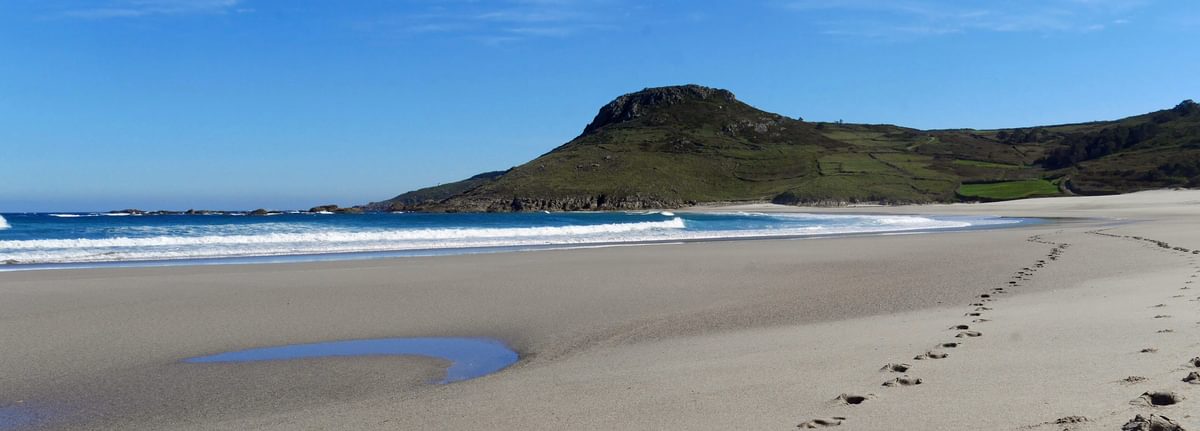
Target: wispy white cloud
[
  {"x": 141, "y": 8},
  {"x": 885, "y": 18},
  {"x": 501, "y": 22}
]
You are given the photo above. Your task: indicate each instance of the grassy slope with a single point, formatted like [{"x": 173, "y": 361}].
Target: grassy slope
[
  {"x": 433, "y": 194},
  {"x": 706, "y": 149},
  {"x": 1008, "y": 190}
]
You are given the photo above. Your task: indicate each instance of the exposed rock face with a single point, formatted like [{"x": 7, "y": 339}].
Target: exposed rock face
[
  {"x": 634, "y": 105},
  {"x": 1187, "y": 107},
  {"x": 573, "y": 203}
]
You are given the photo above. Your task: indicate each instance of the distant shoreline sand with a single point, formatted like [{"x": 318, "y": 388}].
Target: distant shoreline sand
[{"x": 1039, "y": 327}]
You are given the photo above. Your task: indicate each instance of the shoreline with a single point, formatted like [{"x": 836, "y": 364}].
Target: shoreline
[
  {"x": 708, "y": 335},
  {"x": 452, "y": 251}
]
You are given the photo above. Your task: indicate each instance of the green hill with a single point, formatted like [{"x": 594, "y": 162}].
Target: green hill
[{"x": 674, "y": 146}]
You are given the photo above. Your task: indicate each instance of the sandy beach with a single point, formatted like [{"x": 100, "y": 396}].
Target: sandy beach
[{"x": 1060, "y": 325}]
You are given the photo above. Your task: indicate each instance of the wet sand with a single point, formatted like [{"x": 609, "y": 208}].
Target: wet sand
[{"x": 762, "y": 334}]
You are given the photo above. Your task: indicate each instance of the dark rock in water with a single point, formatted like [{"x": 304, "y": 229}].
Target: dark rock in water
[
  {"x": 132, "y": 211},
  {"x": 259, "y": 212},
  {"x": 323, "y": 208},
  {"x": 202, "y": 212},
  {"x": 1151, "y": 423},
  {"x": 336, "y": 209}
]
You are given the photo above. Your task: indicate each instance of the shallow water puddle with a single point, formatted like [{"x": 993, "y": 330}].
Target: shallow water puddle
[
  {"x": 469, "y": 357},
  {"x": 15, "y": 416}
]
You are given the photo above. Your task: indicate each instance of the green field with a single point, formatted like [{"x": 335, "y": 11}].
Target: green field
[
  {"x": 981, "y": 164},
  {"x": 1008, "y": 190}
]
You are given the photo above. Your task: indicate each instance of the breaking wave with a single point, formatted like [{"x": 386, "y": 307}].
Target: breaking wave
[
  {"x": 312, "y": 242},
  {"x": 179, "y": 238}
]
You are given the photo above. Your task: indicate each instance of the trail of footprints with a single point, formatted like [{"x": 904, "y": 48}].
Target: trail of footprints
[
  {"x": 962, "y": 332},
  {"x": 1162, "y": 398},
  {"x": 1148, "y": 399}
]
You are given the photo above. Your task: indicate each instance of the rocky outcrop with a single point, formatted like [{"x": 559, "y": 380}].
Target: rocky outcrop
[
  {"x": 634, "y": 105},
  {"x": 335, "y": 209},
  {"x": 1187, "y": 107},
  {"x": 568, "y": 203}
]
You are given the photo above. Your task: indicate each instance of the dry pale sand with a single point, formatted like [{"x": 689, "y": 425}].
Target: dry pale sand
[{"x": 763, "y": 334}]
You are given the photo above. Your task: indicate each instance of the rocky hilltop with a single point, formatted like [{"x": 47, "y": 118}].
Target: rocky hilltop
[{"x": 673, "y": 146}]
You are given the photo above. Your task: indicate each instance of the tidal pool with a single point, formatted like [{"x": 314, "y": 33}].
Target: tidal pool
[
  {"x": 469, "y": 357},
  {"x": 16, "y": 416}
]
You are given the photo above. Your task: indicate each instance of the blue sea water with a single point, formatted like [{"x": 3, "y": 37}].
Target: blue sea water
[{"x": 34, "y": 240}]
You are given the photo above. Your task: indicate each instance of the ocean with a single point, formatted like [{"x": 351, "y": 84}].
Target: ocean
[{"x": 44, "y": 240}]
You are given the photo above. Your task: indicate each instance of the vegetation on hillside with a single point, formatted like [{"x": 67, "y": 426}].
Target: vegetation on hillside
[
  {"x": 675, "y": 146},
  {"x": 1008, "y": 190}
]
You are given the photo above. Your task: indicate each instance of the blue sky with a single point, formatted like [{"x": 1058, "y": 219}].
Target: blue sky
[{"x": 179, "y": 104}]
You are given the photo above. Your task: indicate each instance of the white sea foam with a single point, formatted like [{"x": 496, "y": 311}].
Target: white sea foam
[
  {"x": 4, "y": 223},
  {"x": 270, "y": 239}
]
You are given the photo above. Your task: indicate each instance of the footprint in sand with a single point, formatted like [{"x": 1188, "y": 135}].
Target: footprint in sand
[
  {"x": 1069, "y": 420},
  {"x": 1158, "y": 399},
  {"x": 948, "y": 345},
  {"x": 1162, "y": 316},
  {"x": 970, "y": 334},
  {"x": 1149, "y": 350},
  {"x": 1164, "y": 331},
  {"x": 852, "y": 399},
  {"x": 1133, "y": 379},
  {"x": 981, "y": 320},
  {"x": 982, "y": 309},
  {"x": 1158, "y": 305},
  {"x": 896, "y": 368},
  {"x": 822, "y": 423},
  {"x": 903, "y": 381},
  {"x": 960, "y": 327},
  {"x": 931, "y": 355},
  {"x": 974, "y": 314},
  {"x": 1195, "y": 362},
  {"x": 1151, "y": 423},
  {"x": 1193, "y": 378}
]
